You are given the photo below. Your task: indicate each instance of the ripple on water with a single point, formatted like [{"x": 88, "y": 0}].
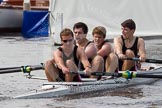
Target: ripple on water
[{"x": 129, "y": 92}]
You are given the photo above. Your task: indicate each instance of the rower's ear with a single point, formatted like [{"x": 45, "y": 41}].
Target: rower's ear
[{"x": 133, "y": 30}]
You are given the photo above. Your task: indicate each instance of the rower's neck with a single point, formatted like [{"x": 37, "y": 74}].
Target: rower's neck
[
  {"x": 130, "y": 39},
  {"x": 83, "y": 43},
  {"x": 68, "y": 49}
]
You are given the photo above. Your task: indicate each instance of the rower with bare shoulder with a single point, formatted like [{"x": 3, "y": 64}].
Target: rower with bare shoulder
[
  {"x": 80, "y": 30},
  {"x": 66, "y": 59},
  {"x": 105, "y": 49},
  {"x": 128, "y": 45}
]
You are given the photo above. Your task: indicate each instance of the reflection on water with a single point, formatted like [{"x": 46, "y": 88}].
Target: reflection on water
[{"x": 129, "y": 92}]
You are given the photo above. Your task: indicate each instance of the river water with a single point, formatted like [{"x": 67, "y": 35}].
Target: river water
[{"x": 16, "y": 51}]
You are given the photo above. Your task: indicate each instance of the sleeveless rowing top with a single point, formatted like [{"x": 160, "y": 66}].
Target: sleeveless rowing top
[
  {"x": 72, "y": 55},
  {"x": 133, "y": 48},
  {"x": 105, "y": 57},
  {"x": 81, "y": 67}
]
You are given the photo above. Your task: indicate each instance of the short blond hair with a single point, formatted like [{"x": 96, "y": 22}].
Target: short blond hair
[
  {"x": 66, "y": 32},
  {"x": 99, "y": 30}
]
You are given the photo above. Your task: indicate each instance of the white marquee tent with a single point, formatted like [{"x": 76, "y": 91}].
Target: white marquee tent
[{"x": 108, "y": 13}]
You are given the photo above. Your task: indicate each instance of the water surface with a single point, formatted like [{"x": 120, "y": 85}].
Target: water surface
[{"x": 15, "y": 51}]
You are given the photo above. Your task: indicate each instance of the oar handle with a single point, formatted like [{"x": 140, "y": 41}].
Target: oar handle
[
  {"x": 134, "y": 59},
  {"x": 78, "y": 72}
]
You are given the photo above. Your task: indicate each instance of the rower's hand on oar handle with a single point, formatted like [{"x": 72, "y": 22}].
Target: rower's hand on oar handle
[
  {"x": 65, "y": 70},
  {"x": 88, "y": 70},
  {"x": 142, "y": 59},
  {"x": 122, "y": 56}
]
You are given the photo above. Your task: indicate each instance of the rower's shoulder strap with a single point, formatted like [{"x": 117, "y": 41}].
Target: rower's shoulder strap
[
  {"x": 75, "y": 55},
  {"x": 60, "y": 49}
]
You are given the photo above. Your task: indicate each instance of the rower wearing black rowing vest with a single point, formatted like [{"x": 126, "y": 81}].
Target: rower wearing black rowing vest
[
  {"x": 65, "y": 60},
  {"x": 128, "y": 46},
  {"x": 72, "y": 56},
  {"x": 133, "y": 48},
  {"x": 80, "y": 30}
]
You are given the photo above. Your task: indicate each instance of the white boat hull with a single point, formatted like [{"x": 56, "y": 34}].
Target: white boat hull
[{"x": 61, "y": 89}]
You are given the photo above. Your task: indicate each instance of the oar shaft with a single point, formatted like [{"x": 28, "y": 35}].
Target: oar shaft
[
  {"x": 128, "y": 74},
  {"x": 10, "y": 71},
  {"x": 153, "y": 61},
  {"x": 148, "y": 76},
  {"x": 6, "y": 68},
  {"x": 38, "y": 67},
  {"x": 24, "y": 69},
  {"x": 147, "y": 60}
]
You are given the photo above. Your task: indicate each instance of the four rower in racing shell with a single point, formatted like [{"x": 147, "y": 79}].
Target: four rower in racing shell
[{"x": 128, "y": 45}]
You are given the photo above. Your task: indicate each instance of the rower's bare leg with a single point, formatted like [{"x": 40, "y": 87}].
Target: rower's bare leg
[
  {"x": 128, "y": 64},
  {"x": 51, "y": 71},
  {"x": 97, "y": 64},
  {"x": 72, "y": 67},
  {"x": 111, "y": 63}
]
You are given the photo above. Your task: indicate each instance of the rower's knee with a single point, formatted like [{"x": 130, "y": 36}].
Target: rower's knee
[
  {"x": 98, "y": 63},
  {"x": 113, "y": 56},
  {"x": 129, "y": 53},
  {"x": 49, "y": 71},
  {"x": 71, "y": 65},
  {"x": 69, "y": 62},
  {"x": 49, "y": 63},
  {"x": 99, "y": 59}
]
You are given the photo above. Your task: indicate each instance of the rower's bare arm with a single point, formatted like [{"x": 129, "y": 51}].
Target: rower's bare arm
[
  {"x": 91, "y": 50},
  {"x": 118, "y": 47},
  {"x": 83, "y": 58},
  {"x": 58, "y": 59},
  {"x": 106, "y": 49},
  {"x": 142, "y": 50}
]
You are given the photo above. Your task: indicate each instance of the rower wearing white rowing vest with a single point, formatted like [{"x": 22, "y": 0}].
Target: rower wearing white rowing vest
[
  {"x": 105, "y": 49},
  {"x": 128, "y": 45},
  {"x": 66, "y": 59},
  {"x": 80, "y": 30}
]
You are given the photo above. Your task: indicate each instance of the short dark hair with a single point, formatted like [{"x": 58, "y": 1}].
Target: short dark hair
[
  {"x": 129, "y": 23},
  {"x": 66, "y": 32},
  {"x": 81, "y": 25}
]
